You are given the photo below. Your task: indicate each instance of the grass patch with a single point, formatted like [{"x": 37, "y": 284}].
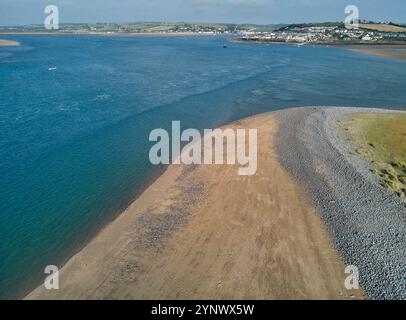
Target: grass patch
[
  {"x": 382, "y": 27},
  {"x": 381, "y": 139}
]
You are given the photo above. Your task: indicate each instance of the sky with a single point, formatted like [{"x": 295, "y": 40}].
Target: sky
[{"x": 20, "y": 12}]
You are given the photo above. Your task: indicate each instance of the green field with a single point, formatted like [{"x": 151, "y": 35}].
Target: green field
[
  {"x": 381, "y": 138},
  {"x": 382, "y": 27}
]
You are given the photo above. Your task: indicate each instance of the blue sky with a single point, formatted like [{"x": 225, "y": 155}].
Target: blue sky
[{"x": 14, "y": 12}]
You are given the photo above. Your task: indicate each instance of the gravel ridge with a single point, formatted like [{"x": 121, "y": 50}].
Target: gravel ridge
[{"x": 367, "y": 223}]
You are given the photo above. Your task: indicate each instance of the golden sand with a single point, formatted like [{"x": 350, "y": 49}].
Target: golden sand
[
  {"x": 203, "y": 232},
  {"x": 388, "y": 51},
  {"x": 8, "y": 43}
]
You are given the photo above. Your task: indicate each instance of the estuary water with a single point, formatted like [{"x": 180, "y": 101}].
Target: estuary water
[{"x": 74, "y": 140}]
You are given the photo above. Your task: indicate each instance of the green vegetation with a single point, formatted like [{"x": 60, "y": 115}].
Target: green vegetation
[
  {"x": 312, "y": 25},
  {"x": 381, "y": 138},
  {"x": 383, "y": 27}
]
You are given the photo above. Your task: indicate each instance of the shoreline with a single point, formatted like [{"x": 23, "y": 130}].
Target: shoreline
[
  {"x": 323, "y": 43},
  {"x": 152, "y": 233},
  {"x": 149, "y": 180},
  {"x": 386, "y": 50},
  {"x": 152, "y": 34}
]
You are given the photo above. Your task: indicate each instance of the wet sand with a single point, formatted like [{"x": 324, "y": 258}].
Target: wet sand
[
  {"x": 8, "y": 43},
  {"x": 388, "y": 51},
  {"x": 204, "y": 232},
  {"x": 397, "y": 51}
]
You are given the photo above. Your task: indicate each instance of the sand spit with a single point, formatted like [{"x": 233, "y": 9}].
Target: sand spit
[
  {"x": 9, "y": 43},
  {"x": 367, "y": 222},
  {"x": 203, "y": 232},
  {"x": 387, "y": 51}
]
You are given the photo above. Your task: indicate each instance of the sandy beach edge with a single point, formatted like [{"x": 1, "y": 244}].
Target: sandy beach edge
[
  {"x": 187, "y": 237},
  {"x": 386, "y": 50},
  {"x": 9, "y": 43}
]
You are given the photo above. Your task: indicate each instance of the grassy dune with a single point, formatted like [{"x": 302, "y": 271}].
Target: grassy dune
[
  {"x": 382, "y": 27},
  {"x": 381, "y": 138}
]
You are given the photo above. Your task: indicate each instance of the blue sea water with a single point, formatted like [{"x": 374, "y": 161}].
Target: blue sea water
[{"x": 74, "y": 141}]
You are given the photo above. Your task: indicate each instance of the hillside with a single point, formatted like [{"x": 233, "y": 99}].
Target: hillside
[{"x": 382, "y": 27}]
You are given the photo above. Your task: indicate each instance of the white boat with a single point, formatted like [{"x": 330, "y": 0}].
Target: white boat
[{"x": 51, "y": 68}]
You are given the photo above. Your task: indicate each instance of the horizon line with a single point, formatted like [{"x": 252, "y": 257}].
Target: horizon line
[{"x": 196, "y": 22}]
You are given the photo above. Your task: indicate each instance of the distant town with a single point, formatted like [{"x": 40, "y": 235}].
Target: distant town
[{"x": 368, "y": 32}]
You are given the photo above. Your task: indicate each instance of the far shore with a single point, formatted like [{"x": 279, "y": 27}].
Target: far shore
[
  {"x": 325, "y": 43},
  {"x": 9, "y": 43},
  {"x": 385, "y": 49},
  {"x": 152, "y": 34}
]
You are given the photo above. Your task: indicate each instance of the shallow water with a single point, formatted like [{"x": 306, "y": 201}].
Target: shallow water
[{"x": 74, "y": 141}]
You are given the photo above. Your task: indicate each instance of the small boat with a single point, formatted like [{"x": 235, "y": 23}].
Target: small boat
[
  {"x": 51, "y": 68},
  {"x": 225, "y": 46}
]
